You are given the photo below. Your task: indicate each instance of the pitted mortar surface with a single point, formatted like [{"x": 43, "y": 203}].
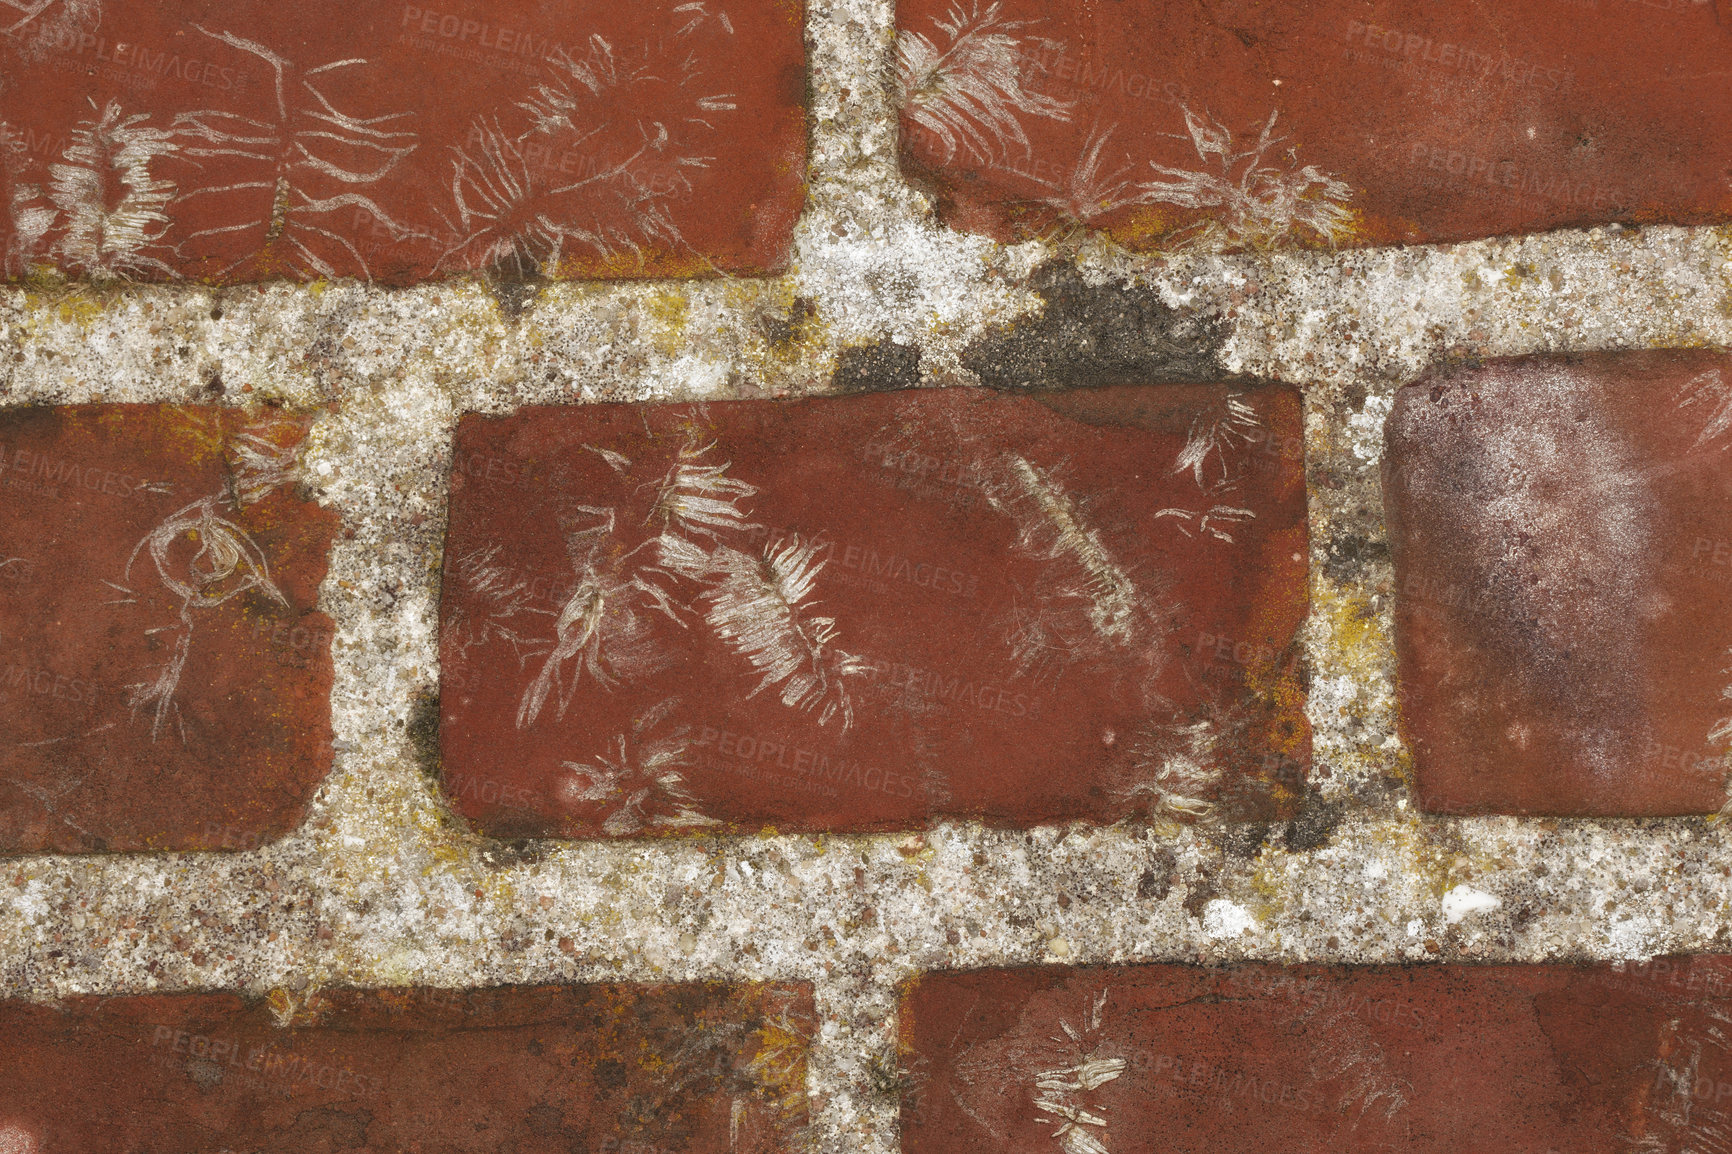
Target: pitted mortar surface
[{"x": 381, "y": 886}]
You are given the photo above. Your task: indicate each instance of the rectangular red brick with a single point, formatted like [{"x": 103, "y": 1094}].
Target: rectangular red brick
[
  {"x": 399, "y": 142},
  {"x": 1325, "y": 1059},
  {"x": 1560, "y": 534},
  {"x": 860, "y": 613},
  {"x": 703, "y": 1069},
  {"x": 1344, "y": 122},
  {"x": 165, "y": 674}
]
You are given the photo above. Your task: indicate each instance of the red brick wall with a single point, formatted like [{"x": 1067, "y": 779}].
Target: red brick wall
[{"x": 688, "y": 577}]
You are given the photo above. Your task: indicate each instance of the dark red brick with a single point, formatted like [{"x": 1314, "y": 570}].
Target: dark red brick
[
  {"x": 1325, "y": 1059},
  {"x": 255, "y": 140},
  {"x": 165, "y": 675},
  {"x": 1562, "y": 537},
  {"x": 860, "y": 613},
  {"x": 1244, "y": 124},
  {"x": 699, "y": 1069}
]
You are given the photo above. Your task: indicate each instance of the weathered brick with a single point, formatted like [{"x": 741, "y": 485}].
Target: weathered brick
[
  {"x": 1245, "y": 125},
  {"x": 631, "y": 1068},
  {"x": 165, "y": 674},
  {"x": 1332, "y": 1059},
  {"x": 859, "y": 613},
  {"x": 1562, "y": 538},
  {"x": 400, "y": 141}
]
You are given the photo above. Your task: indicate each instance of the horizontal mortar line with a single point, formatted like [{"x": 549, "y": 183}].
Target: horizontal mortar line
[
  {"x": 99, "y": 983},
  {"x": 1384, "y": 344},
  {"x": 583, "y": 296},
  {"x": 1096, "y": 932},
  {"x": 566, "y": 972},
  {"x": 1652, "y": 834}
]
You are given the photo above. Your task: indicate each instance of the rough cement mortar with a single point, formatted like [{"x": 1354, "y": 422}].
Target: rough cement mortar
[{"x": 381, "y": 886}]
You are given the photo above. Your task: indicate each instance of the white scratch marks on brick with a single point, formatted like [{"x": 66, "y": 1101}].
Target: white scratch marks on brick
[
  {"x": 637, "y": 790},
  {"x": 112, "y": 206},
  {"x": 760, "y": 606},
  {"x": 968, "y": 93},
  {"x": 1062, "y": 1094},
  {"x": 1253, "y": 204}
]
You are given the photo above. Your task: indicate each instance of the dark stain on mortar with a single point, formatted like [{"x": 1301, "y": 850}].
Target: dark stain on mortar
[
  {"x": 1157, "y": 881},
  {"x": 423, "y": 734},
  {"x": 1094, "y": 335},
  {"x": 513, "y": 295},
  {"x": 1350, "y": 555},
  {"x": 877, "y": 368},
  {"x": 781, "y": 331},
  {"x": 1199, "y": 894},
  {"x": 512, "y": 854},
  {"x": 1243, "y": 841},
  {"x": 1315, "y": 824}
]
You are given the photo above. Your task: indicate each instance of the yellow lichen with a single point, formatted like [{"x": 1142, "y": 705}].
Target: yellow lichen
[{"x": 669, "y": 311}]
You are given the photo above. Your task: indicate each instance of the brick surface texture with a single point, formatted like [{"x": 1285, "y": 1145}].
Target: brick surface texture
[
  {"x": 865, "y": 577},
  {"x": 1315, "y": 1058},
  {"x": 401, "y": 142},
  {"x": 707, "y": 1069},
  {"x": 167, "y": 673},
  {"x": 859, "y": 613},
  {"x": 1347, "y": 122},
  {"x": 1561, "y": 611}
]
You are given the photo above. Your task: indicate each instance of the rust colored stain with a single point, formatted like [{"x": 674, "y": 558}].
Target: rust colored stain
[
  {"x": 399, "y": 142},
  {"x": 166, "y": 676},
  {"x": 1316, "y": 1059},
  {"x": 704, "y": 1069},
  {"x": 862, "y": 613},
  {"x": 1562, "y": 538},
  {"x": 1243, "y": 125}
]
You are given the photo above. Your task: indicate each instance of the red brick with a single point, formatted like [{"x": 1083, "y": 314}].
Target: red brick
[
  {"x": 1562, "y": 537},
  {"x": 400, "y": 141},
  {"x": 166, "y": 676},
  {"x": 969, "y": 583},
  {"x": 1325, "y": 1059},
  {"x": 1244, "y": 125},
  {"x": 701, "y": 1069}
]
